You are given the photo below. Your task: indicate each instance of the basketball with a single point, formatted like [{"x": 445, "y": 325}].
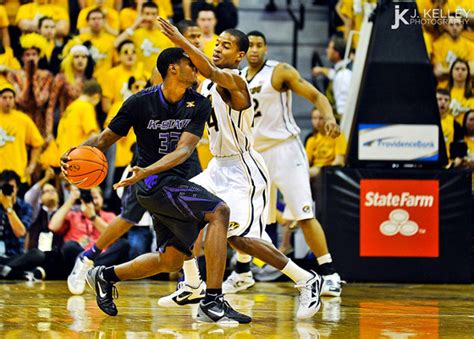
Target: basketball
[{"x": 87, "y": 167}]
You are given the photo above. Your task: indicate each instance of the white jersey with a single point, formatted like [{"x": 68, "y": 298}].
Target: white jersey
[
  {"x": 274, "y": 121},
  {"x": 230, "y": 131}
]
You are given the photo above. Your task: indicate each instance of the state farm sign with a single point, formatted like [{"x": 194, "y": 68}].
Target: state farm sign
[{"x": 399, "y": 218}]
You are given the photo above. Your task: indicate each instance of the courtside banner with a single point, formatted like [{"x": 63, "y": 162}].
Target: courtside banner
[
  {"x": 398, "y": 142},
  {"x": 399, "y": 218}
]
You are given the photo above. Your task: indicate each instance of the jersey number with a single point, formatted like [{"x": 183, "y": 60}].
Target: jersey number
[
  {"x": 257, "y": 112},
  {"x": 212, "y": 121},
  {"x": 168, "y": 142}
]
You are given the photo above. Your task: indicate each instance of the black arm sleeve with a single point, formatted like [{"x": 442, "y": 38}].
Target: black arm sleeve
[
  {"x": 123, "y": 121},
  {"x": 196, "y": 126}
]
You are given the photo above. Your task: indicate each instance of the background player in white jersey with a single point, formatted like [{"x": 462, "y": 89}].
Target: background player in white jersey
[
  {"x": 237, "y": 174},
  {"x": 277, "y": 140}
]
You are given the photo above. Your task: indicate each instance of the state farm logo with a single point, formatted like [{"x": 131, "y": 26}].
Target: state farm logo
[
  {"x": 399, "y": 218},
  {"x": 398, "y": 200},
  {"x": 399, "y": 223}
]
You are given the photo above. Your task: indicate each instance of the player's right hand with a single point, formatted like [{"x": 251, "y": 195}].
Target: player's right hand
[{"x": 63, "y": 161}]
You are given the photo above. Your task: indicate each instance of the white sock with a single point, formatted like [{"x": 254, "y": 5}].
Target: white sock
[
  {"x": 324, "y": 259},
  {"x": 192, "y": 277},
  {"x": 296, "y": 273},
  {"x": 243, "y": 258}
]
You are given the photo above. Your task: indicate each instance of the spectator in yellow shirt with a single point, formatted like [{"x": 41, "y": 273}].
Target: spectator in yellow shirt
[
  {"x": 8, "y": 63},
  {"x": 29, "y": 14},
  {"x": 102, "y": 43},
  {"x": 460, "y": 88},
  {"x": 17, "y": 133},
  {"x": 451, "y": 129},
  {"x": 322, "y": 150},
  {"x": 4, "y": 26},
  {"x": 206, "y": 19},
  {"x": 79, "y": 121},
  {"x": 147, "y": 36},
  {"x": 111, "y": 23},
  {"x": 450, "y": 47},
  {"x": 115, "y": 82}
]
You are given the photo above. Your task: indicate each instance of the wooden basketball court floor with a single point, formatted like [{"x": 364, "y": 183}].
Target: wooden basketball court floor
[{"x": 47, "y": 310}]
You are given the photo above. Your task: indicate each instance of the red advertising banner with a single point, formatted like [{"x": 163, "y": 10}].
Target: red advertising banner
[{"x": 399, "y": 218}]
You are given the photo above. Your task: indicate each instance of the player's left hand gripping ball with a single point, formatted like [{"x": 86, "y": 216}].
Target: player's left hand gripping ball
[{"x": 84, "y": 166}]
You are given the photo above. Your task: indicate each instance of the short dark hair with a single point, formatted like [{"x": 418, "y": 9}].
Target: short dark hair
[
  {"x": 167, "y": 57},
  {"x": 184, "y": 25},
  {"x": 339, "y": 45},
  {"x": 91, "y": 87},
  {"x": 125, "y": 42},
  {"x": 95, "y": 10},
  {"x": 205, "y": 7},
  {"x": 149, "y": 4},
  {"x": 443, "y": 91},
  {"x": 43, "y": 19},
  {"x": 8, "y": 175},
  {"x": 259, "y": 34},
  {"x": 242, "y": 39}
]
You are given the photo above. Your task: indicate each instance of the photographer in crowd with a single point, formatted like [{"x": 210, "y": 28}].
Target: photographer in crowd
[
  {"x": 81, "y": 220},
  {"x": 15, "y": 219}
]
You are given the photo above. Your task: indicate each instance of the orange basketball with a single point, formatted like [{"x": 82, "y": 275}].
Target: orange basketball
[{"x": 87, "y": 167}]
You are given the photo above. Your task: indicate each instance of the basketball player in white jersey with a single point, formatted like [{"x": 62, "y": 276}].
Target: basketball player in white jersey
[
  {"x": 277, "y": 140},
  {"x": 237, "y": 174}
]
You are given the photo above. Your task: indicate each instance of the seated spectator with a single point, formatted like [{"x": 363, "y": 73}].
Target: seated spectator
[
  {"x": 15, "y": 218},
  {"x": 321, "y": 149},
  {"x": 111, "y": 22},
  {"x": 341, "y": 75},
  {"x": 18, "y": 133},
  {"x": 44, "y": 200},
  {"x": 451, "y": 129},
  {"x": 431, "y": 29},
  {"x": 99, "y": 42},
  {"x": 79, "y": 121},
  {"x": 33, "y": 85},
  {"x": 5, "y": 36},
  {"x": 450, "y": 47},
  {"x": 29, "y": 14},
  {"x": 147, "y": 36},
  {"x": 460, "y": 88},
  {"x": 81, "y": 225},
  {"x": 76, "y": 68},
  {"x": 8, "y": 63}
]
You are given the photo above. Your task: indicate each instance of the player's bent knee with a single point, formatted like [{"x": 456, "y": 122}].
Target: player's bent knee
[{"x": 222, "y": 213}]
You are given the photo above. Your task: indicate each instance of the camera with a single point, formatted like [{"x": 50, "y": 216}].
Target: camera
[
  {"x": 86, "y": 196},
  {"x": 7, "y": 189}
]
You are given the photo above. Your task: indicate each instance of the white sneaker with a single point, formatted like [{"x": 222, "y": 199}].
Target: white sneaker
[
  {"x": 184, "y": 295},
  {"x": 236, "y": 282},
  {"x": 332, "y": 285},
  {"x": 76, "y": 281},
  {"x": 310, "y": 300}
]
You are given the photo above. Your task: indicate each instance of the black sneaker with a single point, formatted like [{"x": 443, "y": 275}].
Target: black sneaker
[
  {"x": 105, "y": 291},
  {"x": 219, "y": 311}
]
